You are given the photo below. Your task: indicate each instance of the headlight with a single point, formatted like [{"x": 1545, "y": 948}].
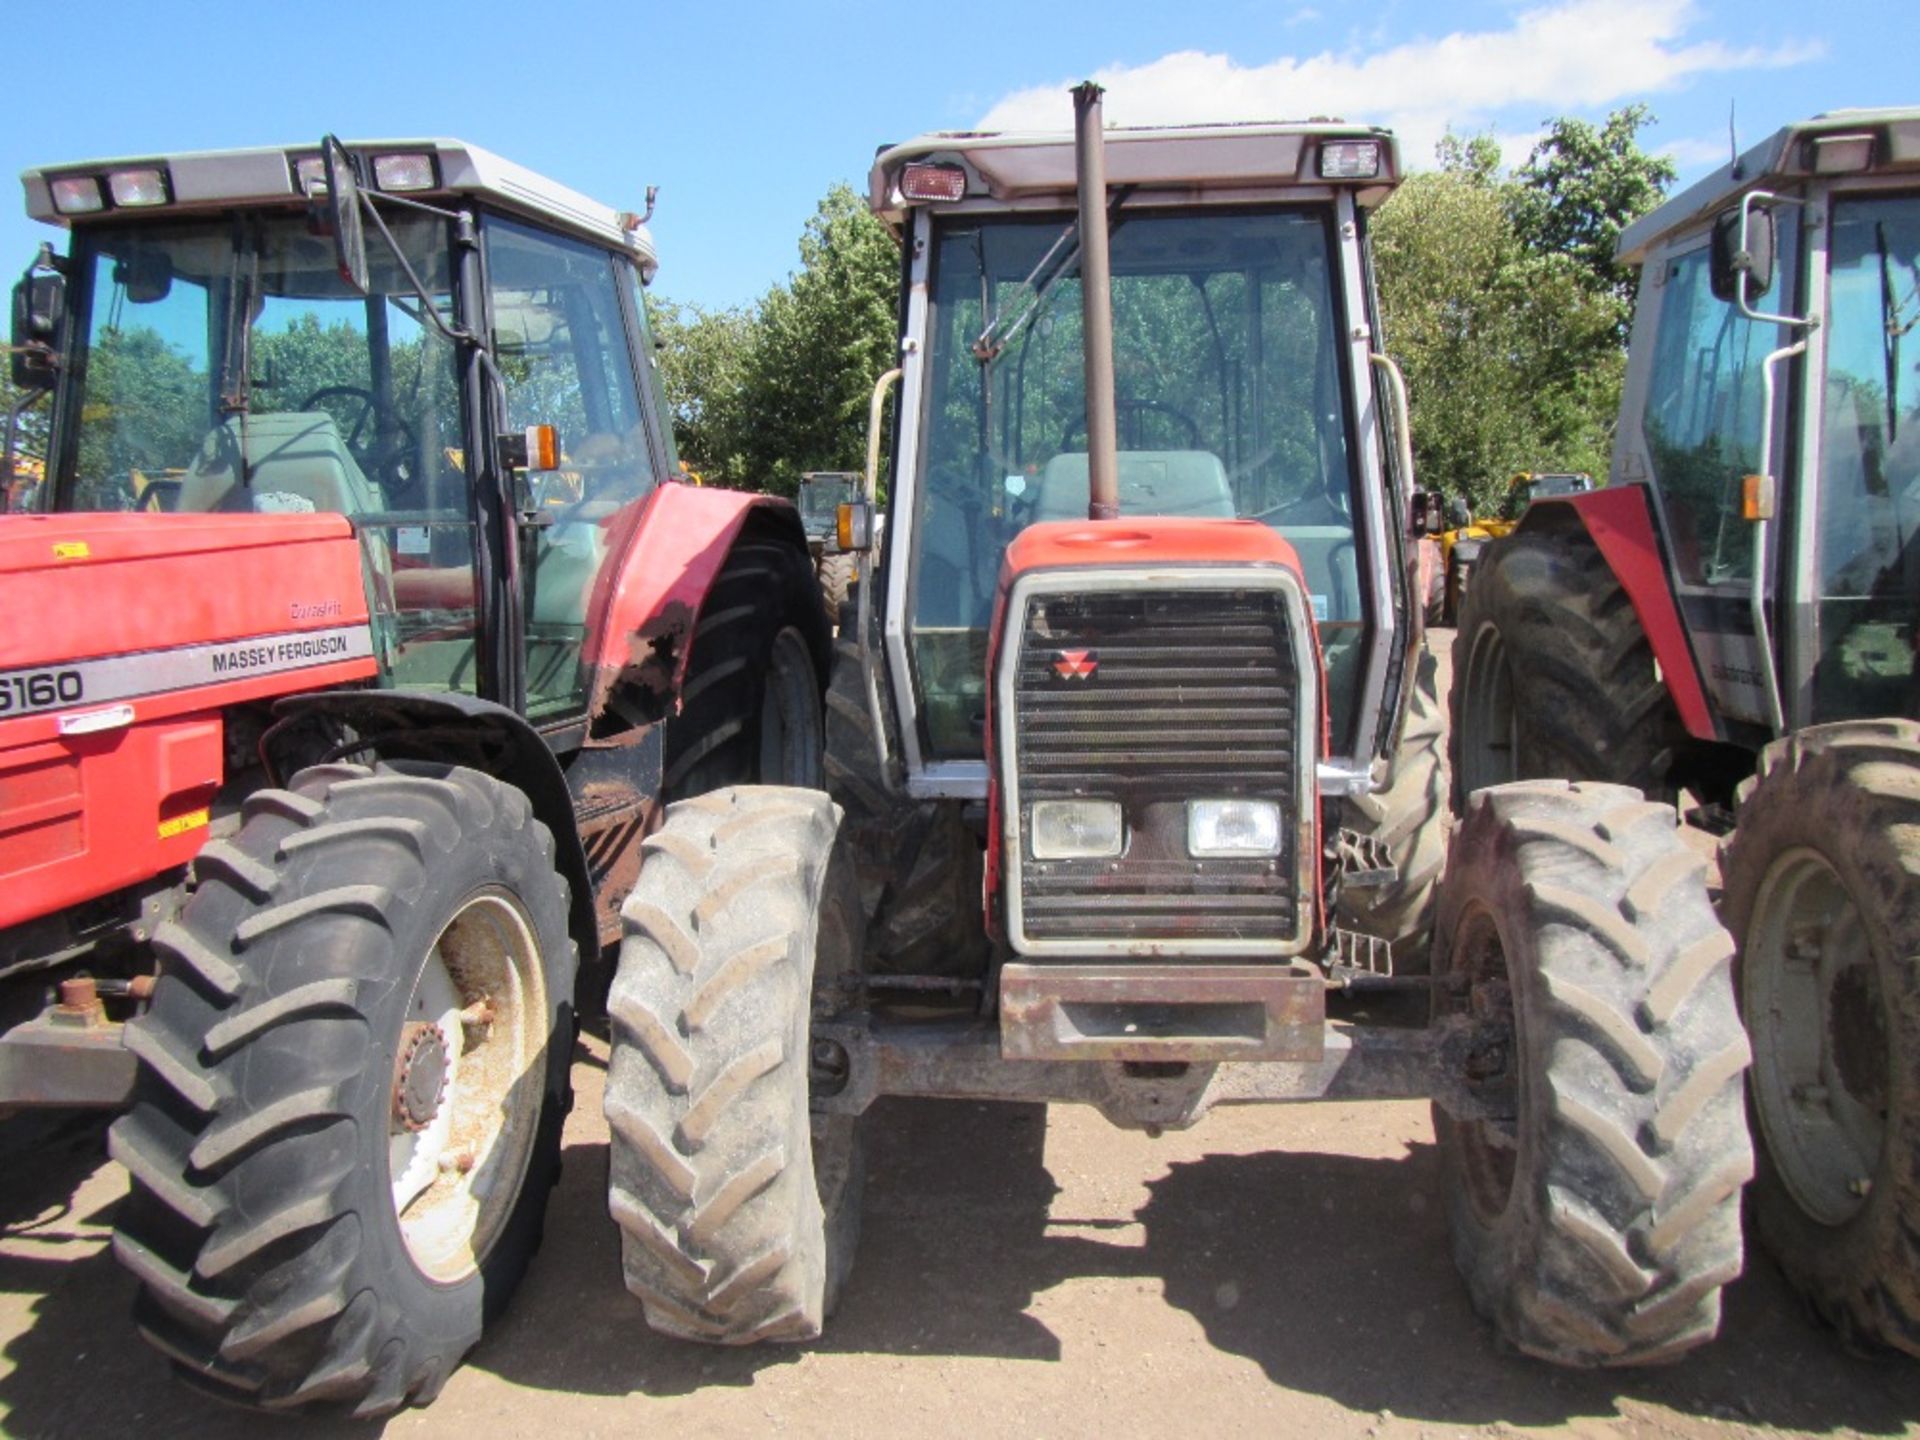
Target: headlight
[
  {"x": 1075, "y": 829},
  {"x": 1230, "y": 828}
]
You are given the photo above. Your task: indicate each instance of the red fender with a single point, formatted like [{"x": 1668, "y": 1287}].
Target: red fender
[
  {"x": 1620, "y": 524},
  {"x": 666, "y": 548}
]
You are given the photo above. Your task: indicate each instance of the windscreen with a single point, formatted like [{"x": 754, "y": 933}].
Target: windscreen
[
  {"x": 227, "y": 367},
  {"x": 1869, "y": 512},
  {"x": 1230, "y": 397}
]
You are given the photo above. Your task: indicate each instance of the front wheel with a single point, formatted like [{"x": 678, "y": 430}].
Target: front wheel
[
  {"x": 352, "y": 1081},
  {"x": 1594, "y": 1203},
  {"x": 1823, "y": 893},
  {"x": 738, "y": 1206}
]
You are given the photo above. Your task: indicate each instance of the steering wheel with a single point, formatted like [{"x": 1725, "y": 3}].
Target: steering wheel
[
  {"x": 1134, "y": 409},
  {"x": 381, "y": 462}
]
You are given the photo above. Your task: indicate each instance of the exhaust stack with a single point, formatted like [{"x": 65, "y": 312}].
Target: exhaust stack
[{"x": 1096, "y": 300}]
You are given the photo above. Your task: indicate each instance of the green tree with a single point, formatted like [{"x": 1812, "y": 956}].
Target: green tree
[
  {"x": 703, "y": 370},
  {"x": 761, "y": 395},
  {"x": 1580, "y": 187},
  {"x": 821, "y": 343},
  {"x": 1504, "y": 305}
]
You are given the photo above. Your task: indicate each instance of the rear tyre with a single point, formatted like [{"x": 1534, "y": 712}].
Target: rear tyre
[
  {"x": 1823, "y": 892},
  {"x": 1409, "y": 815},
  {"x": 836, "y": 573},
  {"x": 750, "y": 704},
  {"x": 352, "y": 1082},
  {"x": 1595, "y": 1212},
  {"x": 1553, "y": 675},
  {"x": 738, "y": 1207}
]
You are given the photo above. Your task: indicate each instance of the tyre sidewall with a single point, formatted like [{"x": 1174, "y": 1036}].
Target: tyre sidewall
[{"x": 1812, "y": 806}]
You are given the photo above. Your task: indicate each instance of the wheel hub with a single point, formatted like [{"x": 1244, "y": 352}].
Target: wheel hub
[{"x": 419, "y": 1076}]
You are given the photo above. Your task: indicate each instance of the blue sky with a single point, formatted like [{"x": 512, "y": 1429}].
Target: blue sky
[{"x": 744, "y": 114}]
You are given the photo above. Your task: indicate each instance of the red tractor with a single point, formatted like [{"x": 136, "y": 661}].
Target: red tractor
[
  {"x": 1734, "y": 623},
  {"x": 1140, "y": 790},
  {"x": 356, "y": 638}
]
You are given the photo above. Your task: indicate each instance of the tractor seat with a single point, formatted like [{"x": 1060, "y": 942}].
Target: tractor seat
[
  {"x": 294, "y": 461},
  {"x": 1150, "y": 482}
]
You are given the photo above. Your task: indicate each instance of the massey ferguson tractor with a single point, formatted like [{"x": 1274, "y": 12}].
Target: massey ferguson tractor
[
  {"x": 1139, "y": 789},
  {"x": 355, "y": 640},
  {"x": 1735, "y": 622}
]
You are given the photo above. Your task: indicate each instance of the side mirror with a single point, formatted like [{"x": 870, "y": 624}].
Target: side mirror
[
  {"x": 343, "y": 211},
  {"x": 39, "y": 303},
  {"x": 147, "y": 276},
  {"x": 1742, "y": 254},
  {"x": 1426, "y": 513},
  {"x": 853, "y": 525}
]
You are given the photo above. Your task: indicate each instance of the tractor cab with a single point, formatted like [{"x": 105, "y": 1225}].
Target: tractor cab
[
  {"x": 1772, "y": 413},
  {"x": 1246, "y": 387},
  {"x": 370, "y": 333}
]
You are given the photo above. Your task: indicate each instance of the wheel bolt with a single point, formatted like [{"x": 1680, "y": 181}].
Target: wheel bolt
[{"x": 1861, "y": 1187}]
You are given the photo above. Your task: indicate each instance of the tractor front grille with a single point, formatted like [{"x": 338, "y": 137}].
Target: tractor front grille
[{"x": 1155, "y": 698}]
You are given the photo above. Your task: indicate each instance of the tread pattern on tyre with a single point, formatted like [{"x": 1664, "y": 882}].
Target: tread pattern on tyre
[
  {"x": 1623, "y": 1223},
  {"x": 919, "y": 868},
  {"x": 244, "y": 1224},
  {"x": 1589, "y": 702},
  {"x": 1850, "y": 792},
  {"x": 712, "y": 1180},
  {"x": 1410, "y": 815},
  {"x": 836, "y": 574}
]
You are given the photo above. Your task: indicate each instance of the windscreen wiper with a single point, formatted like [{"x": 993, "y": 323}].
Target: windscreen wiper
[{"x": 1060, "y": 260}]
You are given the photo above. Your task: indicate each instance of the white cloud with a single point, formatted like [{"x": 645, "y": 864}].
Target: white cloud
[
  {"x": 1575, "y": 55},
  {"x": 1698, "y": 152}
]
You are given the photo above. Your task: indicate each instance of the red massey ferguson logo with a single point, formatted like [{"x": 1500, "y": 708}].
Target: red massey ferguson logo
[{"x": 1077, "y": 664}]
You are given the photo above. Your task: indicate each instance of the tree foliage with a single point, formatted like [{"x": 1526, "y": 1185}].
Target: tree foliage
[
  {"x": 761, "y": 395},
  {"x": 1504, "y": 305}
]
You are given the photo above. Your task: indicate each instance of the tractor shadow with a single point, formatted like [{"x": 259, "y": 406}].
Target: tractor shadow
[
  {"x": 76, "y": 1365},
  {"x": 1332, "y": 1272}
]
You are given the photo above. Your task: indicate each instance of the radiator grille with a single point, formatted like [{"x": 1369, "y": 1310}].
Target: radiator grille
[{"x": 1153, "y": 699}]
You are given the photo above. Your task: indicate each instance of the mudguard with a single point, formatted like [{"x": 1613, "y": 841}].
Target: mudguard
[
  {"x": 1620, "y": 523},
  {"x": 668, "y": 548}
]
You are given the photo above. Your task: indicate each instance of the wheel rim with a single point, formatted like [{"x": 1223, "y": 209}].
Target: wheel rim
[
  {"x": 1821, "y": 1063},
  {"x": 790, "y": 731},
  {"x": 467, "y": 1085},
  {"x": 1488, "y": 735},
  {"x": 1488, "y": 1149}
]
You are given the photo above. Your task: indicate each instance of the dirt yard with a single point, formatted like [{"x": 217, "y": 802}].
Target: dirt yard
[{"x": 1277, "y": 1272}]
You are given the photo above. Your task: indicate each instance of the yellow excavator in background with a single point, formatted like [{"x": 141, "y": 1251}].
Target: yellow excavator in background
[{"x": 1466, "y": 537}]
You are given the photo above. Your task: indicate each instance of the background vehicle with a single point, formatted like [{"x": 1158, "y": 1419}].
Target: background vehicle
[
  {"x": 1732, "y": 621},
  {"x": 822, "y": 493},
  {"x": 1462, "y": 545},
  {"x": 326, "y": 782},
  {"x": 1139, "y": 666}
]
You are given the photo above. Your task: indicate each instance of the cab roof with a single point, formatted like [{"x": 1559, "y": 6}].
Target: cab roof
[
  {"x": 1795, "y": 152},
  {"x": 1037, "y": 167},
  {"x": 220, "y": 179}
]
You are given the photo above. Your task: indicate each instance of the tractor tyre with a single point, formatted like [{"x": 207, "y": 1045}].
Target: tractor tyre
[
  {"x": 1553, "y": 675},
  {"x": 750, "y": 702},
  {"x": 1823, "y": 896},
  {"x": 836, "y": 575},
  {"x": 1595, "y": 1201},
  {"x": 1410, "y": 816},
  {"x": 738, "y": 1207},
  {"x": 919, "y": 867},
  {"x": 352, "y": 1081}
]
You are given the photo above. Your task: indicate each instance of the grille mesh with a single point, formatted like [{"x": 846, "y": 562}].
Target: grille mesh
[{"x": 1180, "y": 695}]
